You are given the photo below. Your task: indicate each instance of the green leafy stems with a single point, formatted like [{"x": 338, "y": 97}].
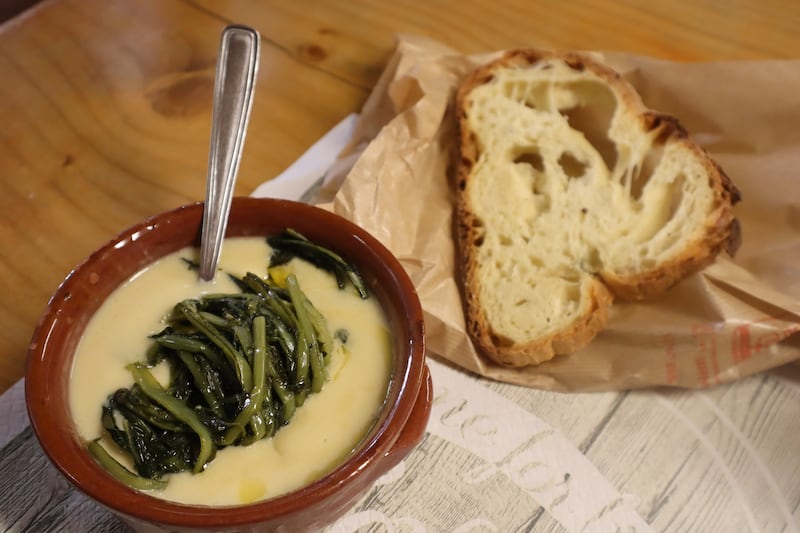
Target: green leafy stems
[{"x": 239, "y": 364}]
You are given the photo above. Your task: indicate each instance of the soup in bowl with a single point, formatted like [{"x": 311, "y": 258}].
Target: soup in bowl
[{"x": 367, "y": 413}]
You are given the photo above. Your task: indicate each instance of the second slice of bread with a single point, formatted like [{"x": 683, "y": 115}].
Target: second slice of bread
[{"x": 571, "y": 193}]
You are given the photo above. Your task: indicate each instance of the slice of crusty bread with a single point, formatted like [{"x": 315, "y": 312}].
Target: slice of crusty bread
[{"x": 570, "y": 193}]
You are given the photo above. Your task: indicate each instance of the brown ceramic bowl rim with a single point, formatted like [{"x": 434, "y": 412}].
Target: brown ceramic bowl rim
[{"x": 55, "y": 338}]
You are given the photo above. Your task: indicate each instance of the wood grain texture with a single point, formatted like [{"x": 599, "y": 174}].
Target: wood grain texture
[
  {"x": 105, "y": 104},
  {"x": 719, "y": 460},
  {"x": 106, "y": 111},
  {"x": 353, "y": 39}
]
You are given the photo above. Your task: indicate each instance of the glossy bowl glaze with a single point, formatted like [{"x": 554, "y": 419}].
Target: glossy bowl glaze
[{"x": 399, "y": 427}]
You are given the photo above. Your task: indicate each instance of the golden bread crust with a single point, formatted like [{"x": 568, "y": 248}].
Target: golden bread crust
[{"x": 720, "y": 230}]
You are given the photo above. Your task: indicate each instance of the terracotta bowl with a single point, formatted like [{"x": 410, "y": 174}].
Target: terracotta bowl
[{"x": 399, "y": 427}]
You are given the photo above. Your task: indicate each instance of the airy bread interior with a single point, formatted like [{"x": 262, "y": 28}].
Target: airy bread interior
[{"x": 571, "y": 192}]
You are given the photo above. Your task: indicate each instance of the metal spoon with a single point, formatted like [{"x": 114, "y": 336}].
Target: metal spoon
[{"x": 237, "y": 68}]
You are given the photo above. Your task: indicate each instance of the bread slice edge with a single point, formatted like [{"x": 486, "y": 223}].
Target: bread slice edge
[{"x": 721, "y": 233}]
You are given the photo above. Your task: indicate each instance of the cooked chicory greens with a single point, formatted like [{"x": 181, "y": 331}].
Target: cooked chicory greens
[{"x": 240, "y": 365}]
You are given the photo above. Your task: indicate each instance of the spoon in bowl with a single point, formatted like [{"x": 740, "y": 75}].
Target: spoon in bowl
[{"x": 234, "y": 83}]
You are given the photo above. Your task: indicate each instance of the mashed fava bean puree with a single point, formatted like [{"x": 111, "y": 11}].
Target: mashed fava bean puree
[{"x": 322, "y": 432}]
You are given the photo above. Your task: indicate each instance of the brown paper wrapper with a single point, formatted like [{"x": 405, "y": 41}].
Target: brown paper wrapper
[{"x": 737, "y": 317}]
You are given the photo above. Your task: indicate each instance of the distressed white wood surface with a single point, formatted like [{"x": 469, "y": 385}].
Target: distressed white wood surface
[{"x": 502, "y": 458}]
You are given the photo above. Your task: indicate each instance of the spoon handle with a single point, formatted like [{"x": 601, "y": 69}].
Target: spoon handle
[{"x": 237, "y": 68}]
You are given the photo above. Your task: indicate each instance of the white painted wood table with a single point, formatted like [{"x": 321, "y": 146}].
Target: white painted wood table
[{"x": 499, "y": 457}]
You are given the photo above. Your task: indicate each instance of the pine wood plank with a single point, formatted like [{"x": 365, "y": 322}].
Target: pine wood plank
[
  {"x": 353, "y": 39},
  {"x": 106, "y": 110}
]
